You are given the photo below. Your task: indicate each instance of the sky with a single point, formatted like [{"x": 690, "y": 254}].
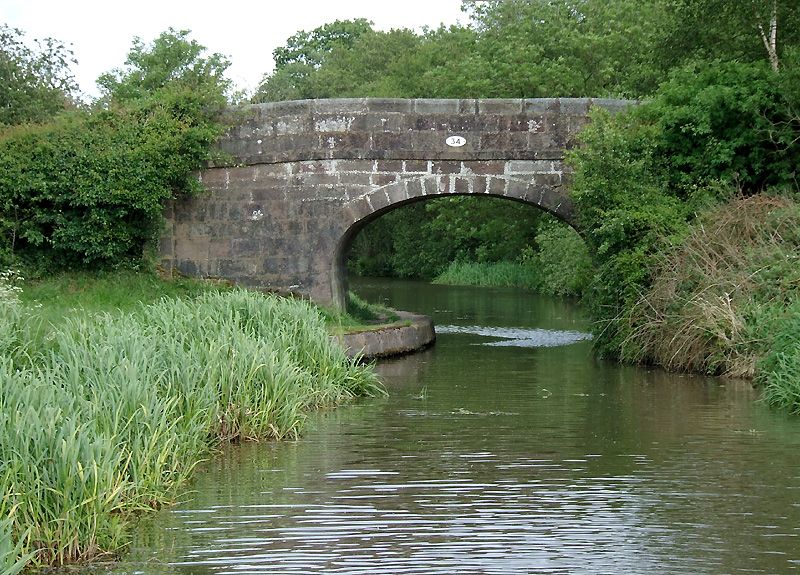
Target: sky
[{"x": 100, "y": 33}]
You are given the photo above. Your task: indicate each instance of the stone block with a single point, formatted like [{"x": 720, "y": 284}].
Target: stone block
[
  {"x": 355, "y": 179},
  {"x": 337, "y": 122},
  {"x": 291, "y": 124},
  {"x": 380, "y": 180},
  {"x": 270, "y": 110},
  {"x": 549, "y": 180},
  {"x": 415, "y": 166},
  {"x": 495, "y": 186},
  {"x": 340, "y": 106},
  {"x": 575, "y": 106},
  {"x": 316, "y": 179},
  {"x": 519, "y": 189},
  {"x": 389, "y": 166},
  {"x": 390, "y": 141},
  {"x": 543, "y": 142},
  {"x": 414, "y": 187},
  {"x": 487, "y": 123},
  {"x": 245, "y": 247},
  {"x": 430, "y": 145},
  {"x": 378, "y": 199},
  {"x": 397, "y": 192},
  {"x": 347, "y": 141},
  {"x": 188, "y": 267},
  {"x": 430, "y": 185},
  {"x": 348, "y": 166},
  {"x": 431, "y": 106},
  {"x": 165, "y": 246},
  {"x": 500, "y": 106},
  {"x": 462, "y": 184},
  {"x": 446, "y": 167},
  {"x": 386, "y": 122},
  {"x": 613, "y": 105},
  {"x": 468, "y": 106},
  {"x": 541, "y": 106},
  {"x": 389, "y": 105}
]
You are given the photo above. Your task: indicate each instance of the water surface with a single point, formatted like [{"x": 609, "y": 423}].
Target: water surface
[{"x": 524, "y": 456}]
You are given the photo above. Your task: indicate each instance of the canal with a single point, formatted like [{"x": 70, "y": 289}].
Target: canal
[{"x": 505, "y": 448}]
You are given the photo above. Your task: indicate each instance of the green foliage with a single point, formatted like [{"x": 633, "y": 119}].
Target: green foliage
[
  {"x": 726, "y": 121},
  {"x": 173, "y": 63},
  {"x": 515, "y": 48},
  {"x": 779, "y": 371},
  {"x": 722, "y": 115},
  {"x": 640, "y": 177},
  {"x": 540, "y": 48},
  {"x": 722, "y": 30},
  {"x": 35, "y": 84},
  {"x": 713, "y": 299},
  {"x": 494, "y": 274},
  {"x": 88, "y": 188},
  {"x": 561, "y": 260},
  {"x": 422, "y": 239},
  {"x": 297, "y": 63},
  {"x": 110, "y": 414},
  {"x": 625, "y": 212},
  {"x": 559, "y": 265}
]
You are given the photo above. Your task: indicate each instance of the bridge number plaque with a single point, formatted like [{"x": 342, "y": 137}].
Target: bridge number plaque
[{"x": 455, "y": 141}]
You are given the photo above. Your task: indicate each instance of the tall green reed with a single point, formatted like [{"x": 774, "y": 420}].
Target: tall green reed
[{"x": 111, "y": 414}]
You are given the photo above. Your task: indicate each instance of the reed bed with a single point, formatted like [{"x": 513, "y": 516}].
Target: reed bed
[
  {"x": 108, "y": 415},
  {"x": 491, "y": 274}
]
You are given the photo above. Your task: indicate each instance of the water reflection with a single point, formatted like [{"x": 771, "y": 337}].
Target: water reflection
[{"x": 501, "y": 460}]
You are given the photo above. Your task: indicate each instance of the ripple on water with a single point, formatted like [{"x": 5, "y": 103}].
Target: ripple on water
[{"x": 518, "y": 337}]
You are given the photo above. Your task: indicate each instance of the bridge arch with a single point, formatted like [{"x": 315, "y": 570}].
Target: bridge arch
[
  {"x": 301, "y": 178},
  {"x": 495, "y": 179}
]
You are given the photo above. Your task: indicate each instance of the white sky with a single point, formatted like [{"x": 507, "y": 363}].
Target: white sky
[{"x": 100, "y": 33}]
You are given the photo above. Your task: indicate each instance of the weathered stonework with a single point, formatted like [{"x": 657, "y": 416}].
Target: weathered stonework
[
  {"x": 391, "y": 340},
  {"x": 302, "y": 178}
]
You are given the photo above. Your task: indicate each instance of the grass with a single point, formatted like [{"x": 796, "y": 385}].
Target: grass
[
  {"x": 107, "y": 414},
  {"x": 360, "y": 316},
  {"x": 495, "y": 274}
]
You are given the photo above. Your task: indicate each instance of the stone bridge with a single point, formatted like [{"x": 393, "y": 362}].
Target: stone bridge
[{"x": 302, "y": 178}]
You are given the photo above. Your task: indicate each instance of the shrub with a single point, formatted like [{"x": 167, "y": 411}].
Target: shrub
[
  {"x": 711, "y": 131},
  {"x": 88, "y": 188},
  {"x": 714, "y": 298}
]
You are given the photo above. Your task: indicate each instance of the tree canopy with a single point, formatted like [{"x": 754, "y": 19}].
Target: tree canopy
[{"x": 35, "y": 83}]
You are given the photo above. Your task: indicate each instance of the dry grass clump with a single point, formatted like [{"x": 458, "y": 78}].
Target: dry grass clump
[{"x": 712, "y": 297}]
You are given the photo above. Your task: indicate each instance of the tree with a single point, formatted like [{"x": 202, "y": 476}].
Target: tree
[
  {"x": 35, "y": 84},
  {"x": 297, "y": 63},
  {"x": 173, "y": 61},
  {"x": 719, "y": 29},
  {"x": 87, "y": 189}
]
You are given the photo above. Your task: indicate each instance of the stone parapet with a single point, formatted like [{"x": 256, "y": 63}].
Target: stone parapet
[{"x": 371, "y": 128}]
